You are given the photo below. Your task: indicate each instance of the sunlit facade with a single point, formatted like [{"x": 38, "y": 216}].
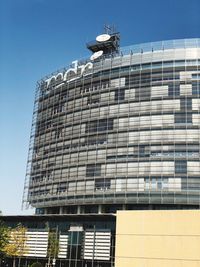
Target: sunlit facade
[{"x": 118, "y": 132}]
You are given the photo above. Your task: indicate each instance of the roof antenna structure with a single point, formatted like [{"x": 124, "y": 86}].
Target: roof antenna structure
[
  {"x": 109, "y": 29},
  {"x": 106, "y": 44}
]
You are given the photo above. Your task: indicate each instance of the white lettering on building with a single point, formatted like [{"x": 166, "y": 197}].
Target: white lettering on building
[{"x": 66, "y": 76}]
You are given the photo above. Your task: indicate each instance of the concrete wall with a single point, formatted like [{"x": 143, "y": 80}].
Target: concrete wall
[{"x": 158, "y": 238}]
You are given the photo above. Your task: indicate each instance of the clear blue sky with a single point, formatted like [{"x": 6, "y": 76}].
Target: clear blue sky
[{"x": 40, "y": 36}]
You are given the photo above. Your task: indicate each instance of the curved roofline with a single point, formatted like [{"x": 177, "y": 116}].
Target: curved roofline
[
  {"x": 162, "y": 45},
  {"x": 138, "y": 48}
]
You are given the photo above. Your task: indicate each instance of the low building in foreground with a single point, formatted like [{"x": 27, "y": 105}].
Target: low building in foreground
[
  {"x": 126, "y": 239},
  {"x": 82, "y": 240}
]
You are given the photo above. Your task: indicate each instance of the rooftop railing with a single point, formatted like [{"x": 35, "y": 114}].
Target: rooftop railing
[{"x": 162, "y": 45}]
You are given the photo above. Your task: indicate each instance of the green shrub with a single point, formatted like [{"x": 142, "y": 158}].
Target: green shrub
[{"x": 36, "y": 264}]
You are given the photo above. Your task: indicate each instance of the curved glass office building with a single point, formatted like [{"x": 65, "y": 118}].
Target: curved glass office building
[{"x": 120, "y": 131}]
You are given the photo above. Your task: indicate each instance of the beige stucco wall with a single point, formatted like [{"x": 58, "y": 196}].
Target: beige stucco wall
[{"x": 158, "y": 238}]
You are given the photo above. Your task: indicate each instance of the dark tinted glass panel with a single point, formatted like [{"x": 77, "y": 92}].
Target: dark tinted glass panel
[
  {"x": 183, "y": 118},
  {"x": 102, "y": 184},
  {"x": 99, "y": 125},
  {"x": 180, "y": 166},
  {"x": 186, "y": 104},
  {"x": 196, "y": 88},
  {"x": 93, "y": 170},
  {"x": 174, "y": 89},
  {"x": 119, "y": 94}
]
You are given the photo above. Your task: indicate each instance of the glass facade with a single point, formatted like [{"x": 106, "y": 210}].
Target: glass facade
[{"x": 120, "y": 130}]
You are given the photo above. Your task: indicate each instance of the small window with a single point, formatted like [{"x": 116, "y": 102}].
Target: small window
[
  {"x": 141, "y": 150},
  {"x": 58, "y": 133},
  {"x": 181, "y": 166},
  {"x": 174, "y": 89},
  {"x": 93, "y": 170},
  {"x": 102, "y": 184},
  {"x": 186, "y": 104},
  {"x": 196, "y": 88},
  {"x": 183, "y": 118},
  {"x": 119, "y": 94},
  {"x": 99, "y": 125},
  {"x": 152, "y": 183},
  {"x": 93, "y": 99},
  {"x": 96, "y": 140},
  {"x": 62, "y": 188}
]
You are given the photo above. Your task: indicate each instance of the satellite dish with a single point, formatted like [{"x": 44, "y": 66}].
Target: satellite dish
[
  {"x": 96, "y": 55},
  {"x": 102, "y": 38}
]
